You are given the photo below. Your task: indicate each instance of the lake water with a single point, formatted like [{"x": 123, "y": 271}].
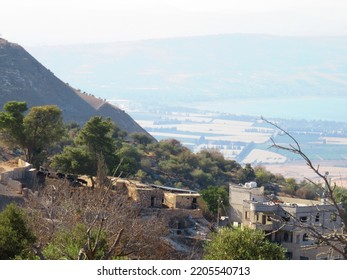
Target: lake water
[{"x": 310, "y": 108}]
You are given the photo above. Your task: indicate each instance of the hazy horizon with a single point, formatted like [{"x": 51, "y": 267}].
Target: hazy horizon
[
  {"x": 66, "y": 22},
  {"x": 275, "y": 76},
  {"x": 70, "y": 23}
]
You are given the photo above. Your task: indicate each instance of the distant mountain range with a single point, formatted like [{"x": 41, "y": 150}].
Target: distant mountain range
[
  {"x": 23, "y": 78},
  {"x": 194, "y": 70}
]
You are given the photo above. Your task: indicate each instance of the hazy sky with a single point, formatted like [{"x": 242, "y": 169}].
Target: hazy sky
[{"x": 43, "y": 22}]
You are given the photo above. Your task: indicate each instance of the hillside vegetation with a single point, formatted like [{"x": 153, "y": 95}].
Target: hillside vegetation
[{"x": 68, "y": 222}]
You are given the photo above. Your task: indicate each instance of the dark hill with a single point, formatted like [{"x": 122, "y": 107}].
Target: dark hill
[{"x": 23, "y": 78}]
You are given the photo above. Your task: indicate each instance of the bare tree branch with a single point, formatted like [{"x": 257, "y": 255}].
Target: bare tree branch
[
  {"x": 297, "y": 150},
  {"x": 329, "y": 239}
]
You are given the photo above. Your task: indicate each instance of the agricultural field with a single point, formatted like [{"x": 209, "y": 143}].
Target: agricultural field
[
  {"x": 248, "y": 140},
  {"x": 299, "y": 170},
  {"x": 217, "y": 129},
  {"x": 208, "y": 130}
]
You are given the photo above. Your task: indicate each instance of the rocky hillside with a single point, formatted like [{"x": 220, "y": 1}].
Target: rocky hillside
[{"x": 23, "y": 78}]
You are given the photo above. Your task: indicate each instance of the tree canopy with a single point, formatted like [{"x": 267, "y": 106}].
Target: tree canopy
[
  {"x": 11, "y": 123},
  {"x": 215, "y": 197},
  {"x": 242, "y": 244},
  {"x": 94, "y": 141},
  {"x": 246, "y": 174},
  {"x": 16, "y": 238},
  {"x": 43, "y": 126},
  {"x": 96, "y": 135},
  {"x": 35, "y": 132}
]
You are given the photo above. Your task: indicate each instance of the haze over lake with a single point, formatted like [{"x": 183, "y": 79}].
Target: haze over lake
[
  {"x": 309, "y": 108},
  {"x": 274, "y": 76}
]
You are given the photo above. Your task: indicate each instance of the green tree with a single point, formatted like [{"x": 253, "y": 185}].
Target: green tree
[
  {"x": 96, "y": 135},
  {"x": 43, "y": 126},
  {"x": 75, "y": 160},
  {"x": 131, "y": 159},
  {"x": 246, "y": 174},
  {"x": 33, "y": 133},
  {"x": 68, "y": 244},
  {"x": 202, "y": 178},
  {"x": 263, "y": 176},
  {"x": 242, "y": 244},
  {"x": 16, "y": 239},
  {"x": 94, "y": 141},
  {"x": 290, "y": 186},
  {"x": 141, "y": 138},
  {"x": 11, "y": 123},
  {"x": 215, "y": 197}
]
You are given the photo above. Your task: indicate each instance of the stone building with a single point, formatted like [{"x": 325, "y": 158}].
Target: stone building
[
  {"x": 180, "y": 200},
  {"x": 158, "y": 196},
  {"x": 177, "y": 208},
  {"x": 286, "y": 220}
]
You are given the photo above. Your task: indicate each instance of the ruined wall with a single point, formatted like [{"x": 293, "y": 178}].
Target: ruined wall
[
  {"x": 15, "y": 174},
  {"x": 14, "y": 186},
  {"x": 168, "y": 213},
  {"x": 186, "y": 201},
  {"x": 193, "y": 213},
  {"x": 179, "y": 200},
  {"x": 120, "y": 186},
  {"x": 147, "y": 197}
]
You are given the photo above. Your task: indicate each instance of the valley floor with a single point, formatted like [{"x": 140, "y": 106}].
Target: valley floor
[{"x": 299, "y": 170}]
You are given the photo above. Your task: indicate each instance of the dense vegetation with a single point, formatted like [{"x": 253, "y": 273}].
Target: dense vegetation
[
  {"x": 44, "y": 140},
  {"x": 34, "y": 132},
  {"x": 92, "y": 224}
]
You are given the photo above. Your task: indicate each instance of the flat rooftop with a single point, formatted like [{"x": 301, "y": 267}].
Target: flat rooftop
[{"x": 174, "y": 190}]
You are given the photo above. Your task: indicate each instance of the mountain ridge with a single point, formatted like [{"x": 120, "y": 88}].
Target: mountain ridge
[{"x": 23, "y": 78}]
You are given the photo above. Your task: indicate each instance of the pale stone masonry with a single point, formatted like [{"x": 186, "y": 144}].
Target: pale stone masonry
[
  {"x": 15, "y": 173},
  {"x": 285, "y": 220},
  {"x": 158, "y": 196},
  {"x": 177, "y": 208}
]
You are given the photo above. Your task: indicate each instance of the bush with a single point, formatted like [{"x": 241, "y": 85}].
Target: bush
[
  {"x": 16, "y": 239},
  {"x": 242, "y": 244}
]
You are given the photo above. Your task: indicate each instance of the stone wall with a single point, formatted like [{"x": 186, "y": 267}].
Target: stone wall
[
  {"x": 15, "y": 174},
  {"x": 192, "y": 213},
  {"x": 181, "y": 201},
  {"x": 147, "y": 197},
  {"x": 14, "y": 186}
]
